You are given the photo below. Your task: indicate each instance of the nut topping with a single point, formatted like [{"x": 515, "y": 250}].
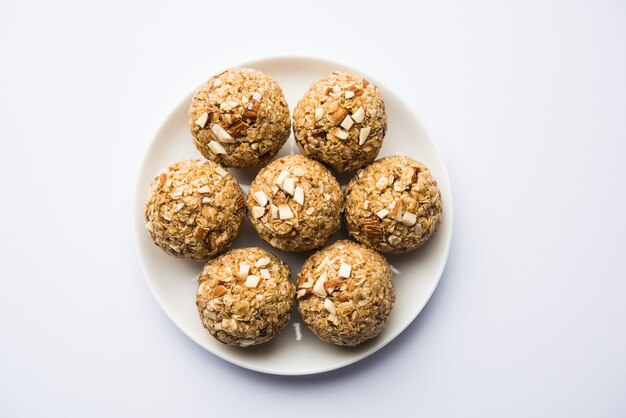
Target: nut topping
[
  {"x": 364, "y": 133},
  {"x": 252, "y": 281},
  {"x": 221, "y": 134},
  {"x": 371, "y": 226},
  {"x": 258, "y": 211},
  {"x": 261, "y": 198},
  {"x": 319, "y": 113},
  {"x": 298, "y": 195},
  {"x": 409, "y": 218},
  {"x": 251, "y": 111},
  {"x": 281, "y": 178},
  {"x": 284, "y": 212},
  {"x": 262, "y": 262},
  {"x": 201, "y": 121},
  {"x": 244, "y": 269},
  {"x": 216, "y": 148},
  {"x": 347, "y": 123},
  {"x": 382, "y": 213},
  {"x": 220, "y": 171},
  {"x": 219, "y": 291},
  {"x": 237, "y": 127},
  {"x": 330, "y": 285},
  {"x": 339, "y": 115},
  {"x": 330, "y": 306},
  {"x": 359, "y": 115},
  {"x": 396, "y": 212},
  {"x": 394, "y": 240},
  {"x": 240, "y": 204},
  {"x": 289, "y": 185},
  {"x": 345, "y": 270},
  {"x": 341, "y": 134},
  {"x": 318, "y": 287}
]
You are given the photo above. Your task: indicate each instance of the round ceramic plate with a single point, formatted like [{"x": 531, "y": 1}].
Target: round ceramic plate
[{"x": 297, "y": 351}]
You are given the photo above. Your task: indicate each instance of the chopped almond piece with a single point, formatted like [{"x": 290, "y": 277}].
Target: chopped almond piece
[
  {"x": 298, "y": 195},
  {"x": 289, "y": 185},
  {"x": 244, "y": 269},
  {"x": 261, "y": 198},
  {"x": 252, "y": 281},
  {"x": 409, "y": 218},
  {"x": 221, "y": 134},
  {"x": 284, "y": 212},
  {"x": 347, "y": 123},
  {"x": 345, "y": 270},
  {"x": 258, "y": 211},
  {"x": 216, "y": 148},
  {"x": 364, "y": 133},
  {"x": 318, "y": 287},
  {"x": 201, "y": 121},
  {"x": 382, "y": 213},
  {"x": 262, "y": 262},
  {"x": 281, "y": 177}
]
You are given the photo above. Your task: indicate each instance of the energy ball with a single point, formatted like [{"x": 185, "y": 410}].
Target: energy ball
[
  {"x": 341, "y": 121},
  {"x": 194, "y": 209},
  {"x": 294, "y": 203},
  {"x": 393, "y": 205},
  {"x": 239, "y": 118},
  {"x": 245, "y": 296},
  {"x": 345, "y": 293}
]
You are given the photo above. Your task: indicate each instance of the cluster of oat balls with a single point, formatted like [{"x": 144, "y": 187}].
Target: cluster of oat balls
[{"x": 195, "y": 208}]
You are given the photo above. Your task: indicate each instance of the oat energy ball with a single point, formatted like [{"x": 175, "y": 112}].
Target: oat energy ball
[
  {"x": 345, "y": 293},
  {"x": 295, "y": 204},
  {"x": 239, "y": 118},
  {"x": 245, "y": 296},
  {"x": 393, "y": 205},
  {"x": 341, "y": 121},
  {"x": 194, "y": 209}
]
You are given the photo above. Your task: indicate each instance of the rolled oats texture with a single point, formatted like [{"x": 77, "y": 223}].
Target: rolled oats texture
[
  {"x": 295, "y": 204},
  {"x": 345, "y": 310},
  {"x": 194, "y": 209},
  {"x": 245, "y": 296},
  {"x": 341, "y": 121},
  {"x": 239, "y": 118},
  {"x": 393, "y": 205}
]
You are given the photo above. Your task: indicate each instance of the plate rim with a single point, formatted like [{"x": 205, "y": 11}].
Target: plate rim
[{"x": 139, "y": 189}]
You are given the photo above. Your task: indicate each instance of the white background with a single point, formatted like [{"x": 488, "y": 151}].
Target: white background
[{"x": 527, "y": 102}]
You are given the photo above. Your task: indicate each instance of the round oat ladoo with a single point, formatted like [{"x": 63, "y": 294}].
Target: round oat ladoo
[
  {"x": 345, "y": 293},
  {"x": 294, "y": 203},
  {"x": 194, "y": 209},
  {"x": 393, "y": 205},
  {"x": 245, "y": 296},
  {"x": 239, "y": 118},
  {"x": 341, "y": 121}
]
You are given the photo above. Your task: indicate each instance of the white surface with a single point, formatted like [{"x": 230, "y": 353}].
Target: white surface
[
  {"x": 527, "y": 102},
  {"x": 417, "y": 273}
]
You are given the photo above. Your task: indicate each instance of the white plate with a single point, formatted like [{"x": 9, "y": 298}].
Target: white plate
[{"x": 172, "y": 280}]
